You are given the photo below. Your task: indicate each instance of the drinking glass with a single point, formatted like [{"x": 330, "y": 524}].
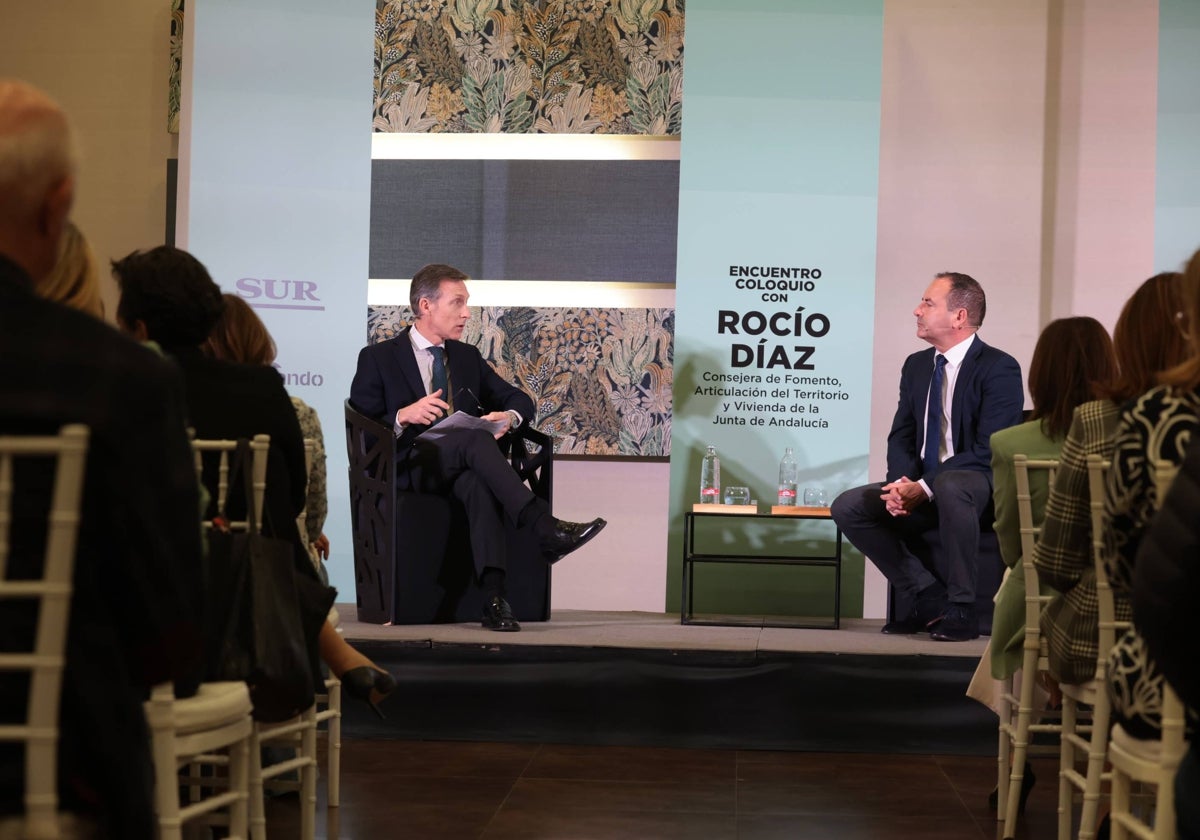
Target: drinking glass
[
  {"x": 735, "y": 495},
  {"x": 815, "y": 497}
]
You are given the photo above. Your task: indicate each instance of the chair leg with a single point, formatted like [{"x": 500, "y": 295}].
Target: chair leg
[
  {"x": 308, "y": 776},
  {"x": 1066, "y": 762},
  {"x": 239, "y": 780},
  {"x": 1021, "y": 737},
  {"x": 258, "y": 816},
  {"x": 334, "y": 747},
  {"x": 1120, "y": 805},
  {"x": 1004, "y": 712},
  {"x": 1097, "y": 752},
  {"x": 1164, "y": 810}
]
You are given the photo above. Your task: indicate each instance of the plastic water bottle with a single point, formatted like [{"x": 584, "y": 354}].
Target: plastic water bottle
[
  {"x": 787, "y": 478},
  {"x": 710, "y": 478}
]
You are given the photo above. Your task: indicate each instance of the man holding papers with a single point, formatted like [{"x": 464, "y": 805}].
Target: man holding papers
[{"x": 426, "y": 373}]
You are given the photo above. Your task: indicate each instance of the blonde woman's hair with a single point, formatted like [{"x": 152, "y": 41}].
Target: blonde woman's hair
[{"x": 75, "y": 280}]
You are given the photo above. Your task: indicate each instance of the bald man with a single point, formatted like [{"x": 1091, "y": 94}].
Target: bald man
[{"x": 135, "y": 613}]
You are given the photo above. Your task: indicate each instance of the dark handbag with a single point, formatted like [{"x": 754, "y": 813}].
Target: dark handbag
[{"x": 256, "y": 618}]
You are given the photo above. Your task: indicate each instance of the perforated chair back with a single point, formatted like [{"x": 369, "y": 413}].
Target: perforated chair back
[
  {"x": 50, "y": 588},
  {"x": 226, "y": 451}
]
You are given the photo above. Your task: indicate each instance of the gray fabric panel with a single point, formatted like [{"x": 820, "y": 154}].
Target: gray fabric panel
[{"x": 526, "y": 219}]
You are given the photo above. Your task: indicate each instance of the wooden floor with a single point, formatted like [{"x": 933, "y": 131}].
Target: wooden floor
[{"x": 428, "y": 790}]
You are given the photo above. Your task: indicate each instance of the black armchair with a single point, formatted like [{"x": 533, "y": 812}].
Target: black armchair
[{"x": 412, "y": 552}]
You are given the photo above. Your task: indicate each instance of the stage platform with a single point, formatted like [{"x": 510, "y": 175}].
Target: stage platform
[{"x": 642, "y": 678}]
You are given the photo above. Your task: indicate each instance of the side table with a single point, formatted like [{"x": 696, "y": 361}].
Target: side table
[{"x": 691, "y": 557}]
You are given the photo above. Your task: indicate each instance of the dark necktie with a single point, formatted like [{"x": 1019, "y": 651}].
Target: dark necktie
[
  {"x": 933, "y": 420},
  {"x": 439, "y": 372}
]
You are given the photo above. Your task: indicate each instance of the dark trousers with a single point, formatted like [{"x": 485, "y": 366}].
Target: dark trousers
[
  {"x": 960, "y": 498},
  {"x": 468, "y": 465}
]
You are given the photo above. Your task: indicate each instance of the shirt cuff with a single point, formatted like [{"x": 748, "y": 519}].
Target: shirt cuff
[
  {"x": 398, "y": 427},
  {"x": 517, "y": 419},
  {"x": 925, "y": 487}
]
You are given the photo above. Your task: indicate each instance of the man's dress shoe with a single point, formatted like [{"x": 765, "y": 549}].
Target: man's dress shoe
[
  {"x": 498, "y": 615},
  {"x": 925, "y": 615},
  {"x": 906, "y": 626},
  {"x": 561, "y": 538},
  {"x": 959, "y": 624}
]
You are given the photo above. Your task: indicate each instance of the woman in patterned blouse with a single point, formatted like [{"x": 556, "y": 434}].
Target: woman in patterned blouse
[{"x": 1156, "y": 427}]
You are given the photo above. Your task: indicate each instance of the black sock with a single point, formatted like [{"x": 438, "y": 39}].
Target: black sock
[
  {"x": 492, "y": 581},
  {"x": 536, "y": 514}
]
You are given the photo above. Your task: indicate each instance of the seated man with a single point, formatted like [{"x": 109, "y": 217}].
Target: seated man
[
  {"x": 412, "y": 382},
  {"x": 135, "y": 614},
  {"x": 952, "y": 398}
]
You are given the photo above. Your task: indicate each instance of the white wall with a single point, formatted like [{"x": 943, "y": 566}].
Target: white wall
[
  {"x": 1052, "y": 222},
  {"x": 107, "y": 64}
]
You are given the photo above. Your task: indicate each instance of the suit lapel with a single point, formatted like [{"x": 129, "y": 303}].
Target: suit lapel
[
  {"x": 961, "y": 384},
  {"x": 920, "y": 395},
  {"x": 405, "y": 357}
]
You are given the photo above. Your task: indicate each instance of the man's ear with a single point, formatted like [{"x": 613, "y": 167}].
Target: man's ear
[{"x": 137, "y": 330}]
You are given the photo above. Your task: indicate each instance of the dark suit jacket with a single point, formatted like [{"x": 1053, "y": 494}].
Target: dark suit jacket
[
  {"x": 988, "y": 397},
  {"x": 388, "y": 379},
  {"x": 136, "y": 609}
]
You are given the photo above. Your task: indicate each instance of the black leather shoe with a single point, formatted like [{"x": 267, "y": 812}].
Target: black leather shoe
[
  {"x": 927, "y": 611},
  {"x": 368, "y": 684},
  {"x": 561, "y": 538},
  {"x": 904, "y": 627},
  {"x": 959, "y": 624},
  {"x": 498, "y": 615}
]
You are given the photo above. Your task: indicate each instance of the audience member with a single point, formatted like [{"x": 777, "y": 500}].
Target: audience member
[
  {"x": 406, "y": 383},
  {"x": 1146, "y": 341},
  {"x": 953, "y": 397},
  {"x": 1073, "y": 358},
  {"x": 1156, "y": 427},
  {"x": 75, "y": 280},
  {"x": 240, "y": 336},
  {"x": 1166, "y": 589},
  {"x": 135, "y": 610},
  {"x": 1072, "y": 363},
  {"x": 168, "y": 297}
]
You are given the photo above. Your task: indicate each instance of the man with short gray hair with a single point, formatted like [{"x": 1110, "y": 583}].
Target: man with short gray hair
[{"x": 135, "y": 610}]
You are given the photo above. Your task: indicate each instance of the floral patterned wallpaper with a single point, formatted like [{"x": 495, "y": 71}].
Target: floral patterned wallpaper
[
  {"x": 529, "y": 66},
  {"x": 601, "y": 378},
  {"x": 176, "y": 59}
]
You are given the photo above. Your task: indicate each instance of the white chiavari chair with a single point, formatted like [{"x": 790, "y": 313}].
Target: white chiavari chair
[
  {"x": 1015, "y": 735},
  {"x": 51, "y": 589},
  {"x": 298, "y": 733}
]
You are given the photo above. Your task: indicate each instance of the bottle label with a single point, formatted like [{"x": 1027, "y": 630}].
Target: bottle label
[
  {"x": 785, "y": 493},
  {"x": 709, "y": 493}
]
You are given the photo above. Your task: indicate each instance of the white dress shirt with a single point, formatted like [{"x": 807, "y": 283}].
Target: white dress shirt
[{"x": 954, "y": 359}]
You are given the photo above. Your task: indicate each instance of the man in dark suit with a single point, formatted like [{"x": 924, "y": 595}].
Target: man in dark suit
[
  {"x": 412, "y": 382},
  {"x": 135, "y": 609},
  {"x": 953, "y": 396}
]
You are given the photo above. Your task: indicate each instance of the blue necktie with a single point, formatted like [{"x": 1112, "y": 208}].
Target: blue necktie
[
  {"x": 439, "y": 372},
  {"x": 933, "y": 420}
]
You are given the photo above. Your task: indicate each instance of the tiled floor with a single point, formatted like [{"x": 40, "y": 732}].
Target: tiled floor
[{"x": 439, "y": 790}]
